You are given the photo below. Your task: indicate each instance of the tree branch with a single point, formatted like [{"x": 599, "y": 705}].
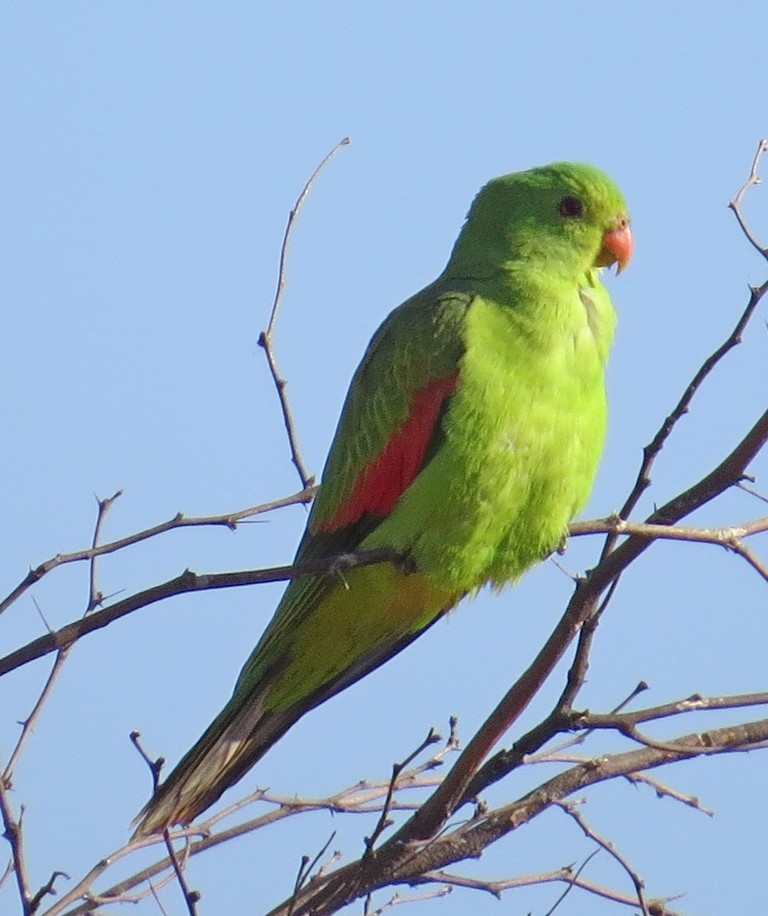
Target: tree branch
[
  {"x": 228, "y": 520},
  {"x": 265, "y": 338}
]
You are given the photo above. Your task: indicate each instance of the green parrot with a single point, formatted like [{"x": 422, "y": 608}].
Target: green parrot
[{"x": 469, "y": 438}]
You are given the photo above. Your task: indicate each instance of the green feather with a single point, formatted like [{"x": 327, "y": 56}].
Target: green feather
[{"x": 520, "y": 316}]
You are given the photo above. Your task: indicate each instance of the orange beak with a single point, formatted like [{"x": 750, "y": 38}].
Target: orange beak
[{"x": 617, "y": 246}]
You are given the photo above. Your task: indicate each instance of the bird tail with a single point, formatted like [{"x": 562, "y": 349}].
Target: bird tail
[
  {"x": 242, "y": 733},
  {"x": 231, "y": 745}
]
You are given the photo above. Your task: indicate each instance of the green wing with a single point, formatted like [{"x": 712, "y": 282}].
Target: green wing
[{"x": 420, "y": 343}]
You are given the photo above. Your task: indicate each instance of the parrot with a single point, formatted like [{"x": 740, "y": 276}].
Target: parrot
[{"x": 469, "y": 438}]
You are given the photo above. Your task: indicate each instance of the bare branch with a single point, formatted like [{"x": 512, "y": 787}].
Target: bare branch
[
  {"x": 397, "y": 899},
  {"x": 362, "y": 798},
  {"x": 397, "y": 770},
  {"x": 307, "y": 866},
  {"x": 265, "y": 338},
  {"x": 229, "y": 520},
  {"x": 190, "y": 897},
  {"x": 188, "y": 581},
  {"x": 735, "y": 204},
  {"x": 651, "y": 451},
  {"x": 292, "y": 216},
  {"x": 662, "y": 790},
  {"x": 94, "y": 594},
  {"x": 726, "y": 536},
  {"x": 572, "y": 811},
  {"x": 567, "y": 875},
  {"x": 427, "y": 821},
  {"x": 154, "y": 766},
  {"x": 12, "y": 831},
  {"x": 29, "y": 723}
]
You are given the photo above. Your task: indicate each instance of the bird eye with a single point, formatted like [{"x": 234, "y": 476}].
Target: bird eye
[{"x": 570, "y": 208}]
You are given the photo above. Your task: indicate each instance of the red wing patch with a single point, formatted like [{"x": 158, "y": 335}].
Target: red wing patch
[{"x": 384, "y": 481}]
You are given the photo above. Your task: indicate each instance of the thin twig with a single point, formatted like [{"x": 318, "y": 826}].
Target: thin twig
[
  {"x": 188, "y": 581},
  {"x": 29, "y": 723},
  {"x": 12, "y": 830},
  {"x": 308, "y": 865},
  {"x": 281, "y": 274},
  {"x": 725, "y": 536},
  {"x": 48, "y": 888},
  {"x": 31, "y": 902},
  {"x": 7, "y": 873},
  {"x": 567, "y": 875},
  {"x": 154, "y": 766},
  {"x": 61, "y": 656},
  {"x": 228, "y": 520},
  {"x": 397, "y": 899},
  {"x": 571, "y": 810},
  {"x": 694, "y": 703},
  {"x": 265, "y": 338},
  {"x": 397, "y": 770},
  {"x": 662, "y": 790},
  {"x": 95, "y": 596},
  {"x": 571, "y": 884},
  {"x": 651, "y": 451},
  {"x": 190, "y": 897},
  {"x": 735, "y": 204},
  {"x": 729, "y": 537},
  {"x": 361, "y": 798}
]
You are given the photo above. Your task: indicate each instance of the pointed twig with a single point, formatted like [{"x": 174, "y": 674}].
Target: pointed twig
[
  {"x": 265, "y": 338},
  {"x": 566, "y": 874},
  {"x": 61, "y": 656},
  {"x": 292, "y": 216},
  {"x": 48, "y": 888}
]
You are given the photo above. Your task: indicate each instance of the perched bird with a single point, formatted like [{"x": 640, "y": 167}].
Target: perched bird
[{"x": 470, "y": 437}]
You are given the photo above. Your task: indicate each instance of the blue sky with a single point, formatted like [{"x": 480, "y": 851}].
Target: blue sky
[{"x": 148, "y": 159}]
